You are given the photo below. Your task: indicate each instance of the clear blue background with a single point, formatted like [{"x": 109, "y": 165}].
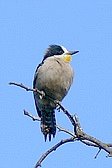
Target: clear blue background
[{"x": 27, "y": 27}]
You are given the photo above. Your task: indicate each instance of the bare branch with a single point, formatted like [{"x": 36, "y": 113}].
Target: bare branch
[
  {"x": 66, "y": 131},
  {"x": 100, "y": 144},
  {"x": 88, "y": 143},
  {"x": 34, "y": 118},
  {"x": 38, "y": 164},
  {"x": 81, "y": 136},
  {"x": 71, "y": 118},
  {"x": 27, "y": 88},
  {"x": 97, "y": 153},
  {"x": 78, "y": 133}
]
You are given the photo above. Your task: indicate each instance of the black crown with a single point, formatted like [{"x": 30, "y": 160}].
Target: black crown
[{"x": 53, "y": 50}]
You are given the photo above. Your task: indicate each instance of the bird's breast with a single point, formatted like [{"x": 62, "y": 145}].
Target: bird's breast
[{"x": 55, "y": 78}]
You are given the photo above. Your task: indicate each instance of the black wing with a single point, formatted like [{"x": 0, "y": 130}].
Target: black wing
[{"x": 34, "y": 86}]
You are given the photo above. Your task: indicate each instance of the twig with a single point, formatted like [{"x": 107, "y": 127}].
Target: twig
[
  {"x": 34, "y": 118},
  {"x": 97, "y": 153},
  {"x": 38, "y": 164},
  {"x": 71, "y": 118},
  {"x": 89, "y": 143},
  {"x": 27, "y": 88},
  {"x": 66, "y": 131}
]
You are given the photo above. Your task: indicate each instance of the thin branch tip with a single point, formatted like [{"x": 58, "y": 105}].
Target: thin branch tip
[{"x": 97, "y": 153}]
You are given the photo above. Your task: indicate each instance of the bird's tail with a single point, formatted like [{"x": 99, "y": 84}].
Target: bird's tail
[{"x": 48, "y": 122}]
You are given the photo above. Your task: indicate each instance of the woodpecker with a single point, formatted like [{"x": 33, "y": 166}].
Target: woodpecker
[{"x": 53, "y": 76}]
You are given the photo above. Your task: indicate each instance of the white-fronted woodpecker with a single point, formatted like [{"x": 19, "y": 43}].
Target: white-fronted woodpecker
[{"x": 53, "y": 76}]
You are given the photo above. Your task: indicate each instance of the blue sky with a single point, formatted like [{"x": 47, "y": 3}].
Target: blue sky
[{"x": 26, "y": 30}]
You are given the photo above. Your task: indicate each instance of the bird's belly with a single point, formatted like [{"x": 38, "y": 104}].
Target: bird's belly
[
  {"x": 56, "y": 88},
  {"x": 55, "y": 81}
]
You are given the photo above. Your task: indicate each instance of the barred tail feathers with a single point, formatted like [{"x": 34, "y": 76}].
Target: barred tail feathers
[{"x": 48, "y": 122}]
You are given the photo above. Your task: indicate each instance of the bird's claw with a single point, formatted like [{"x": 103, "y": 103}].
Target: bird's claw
[
  {"x": 57, "y": 102},
  {"x": 42, "y": 95}
]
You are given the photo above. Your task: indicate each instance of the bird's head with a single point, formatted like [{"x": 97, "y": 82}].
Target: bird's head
[{"x": 59, "y": 52}]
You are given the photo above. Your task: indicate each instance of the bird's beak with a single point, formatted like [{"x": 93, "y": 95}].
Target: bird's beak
[{"x": 73, "y": 52}]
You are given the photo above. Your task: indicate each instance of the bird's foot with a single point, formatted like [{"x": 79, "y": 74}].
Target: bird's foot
[
  {"x": 42, "y": 94},
  {"x": 57, "y": 102}
]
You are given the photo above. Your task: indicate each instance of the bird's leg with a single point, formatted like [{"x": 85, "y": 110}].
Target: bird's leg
[
  {"x": 42, "y": 94},
  {"x": 57, "y": 102}
]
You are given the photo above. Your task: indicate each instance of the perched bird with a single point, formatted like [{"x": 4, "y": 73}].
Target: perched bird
[{"x": 53, "y": 76}]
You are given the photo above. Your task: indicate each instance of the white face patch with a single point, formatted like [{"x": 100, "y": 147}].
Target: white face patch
[{"x": 64, "y": 49}]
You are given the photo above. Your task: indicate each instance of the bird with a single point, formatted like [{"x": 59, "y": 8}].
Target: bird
[{"x": 53, "y": 76}]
